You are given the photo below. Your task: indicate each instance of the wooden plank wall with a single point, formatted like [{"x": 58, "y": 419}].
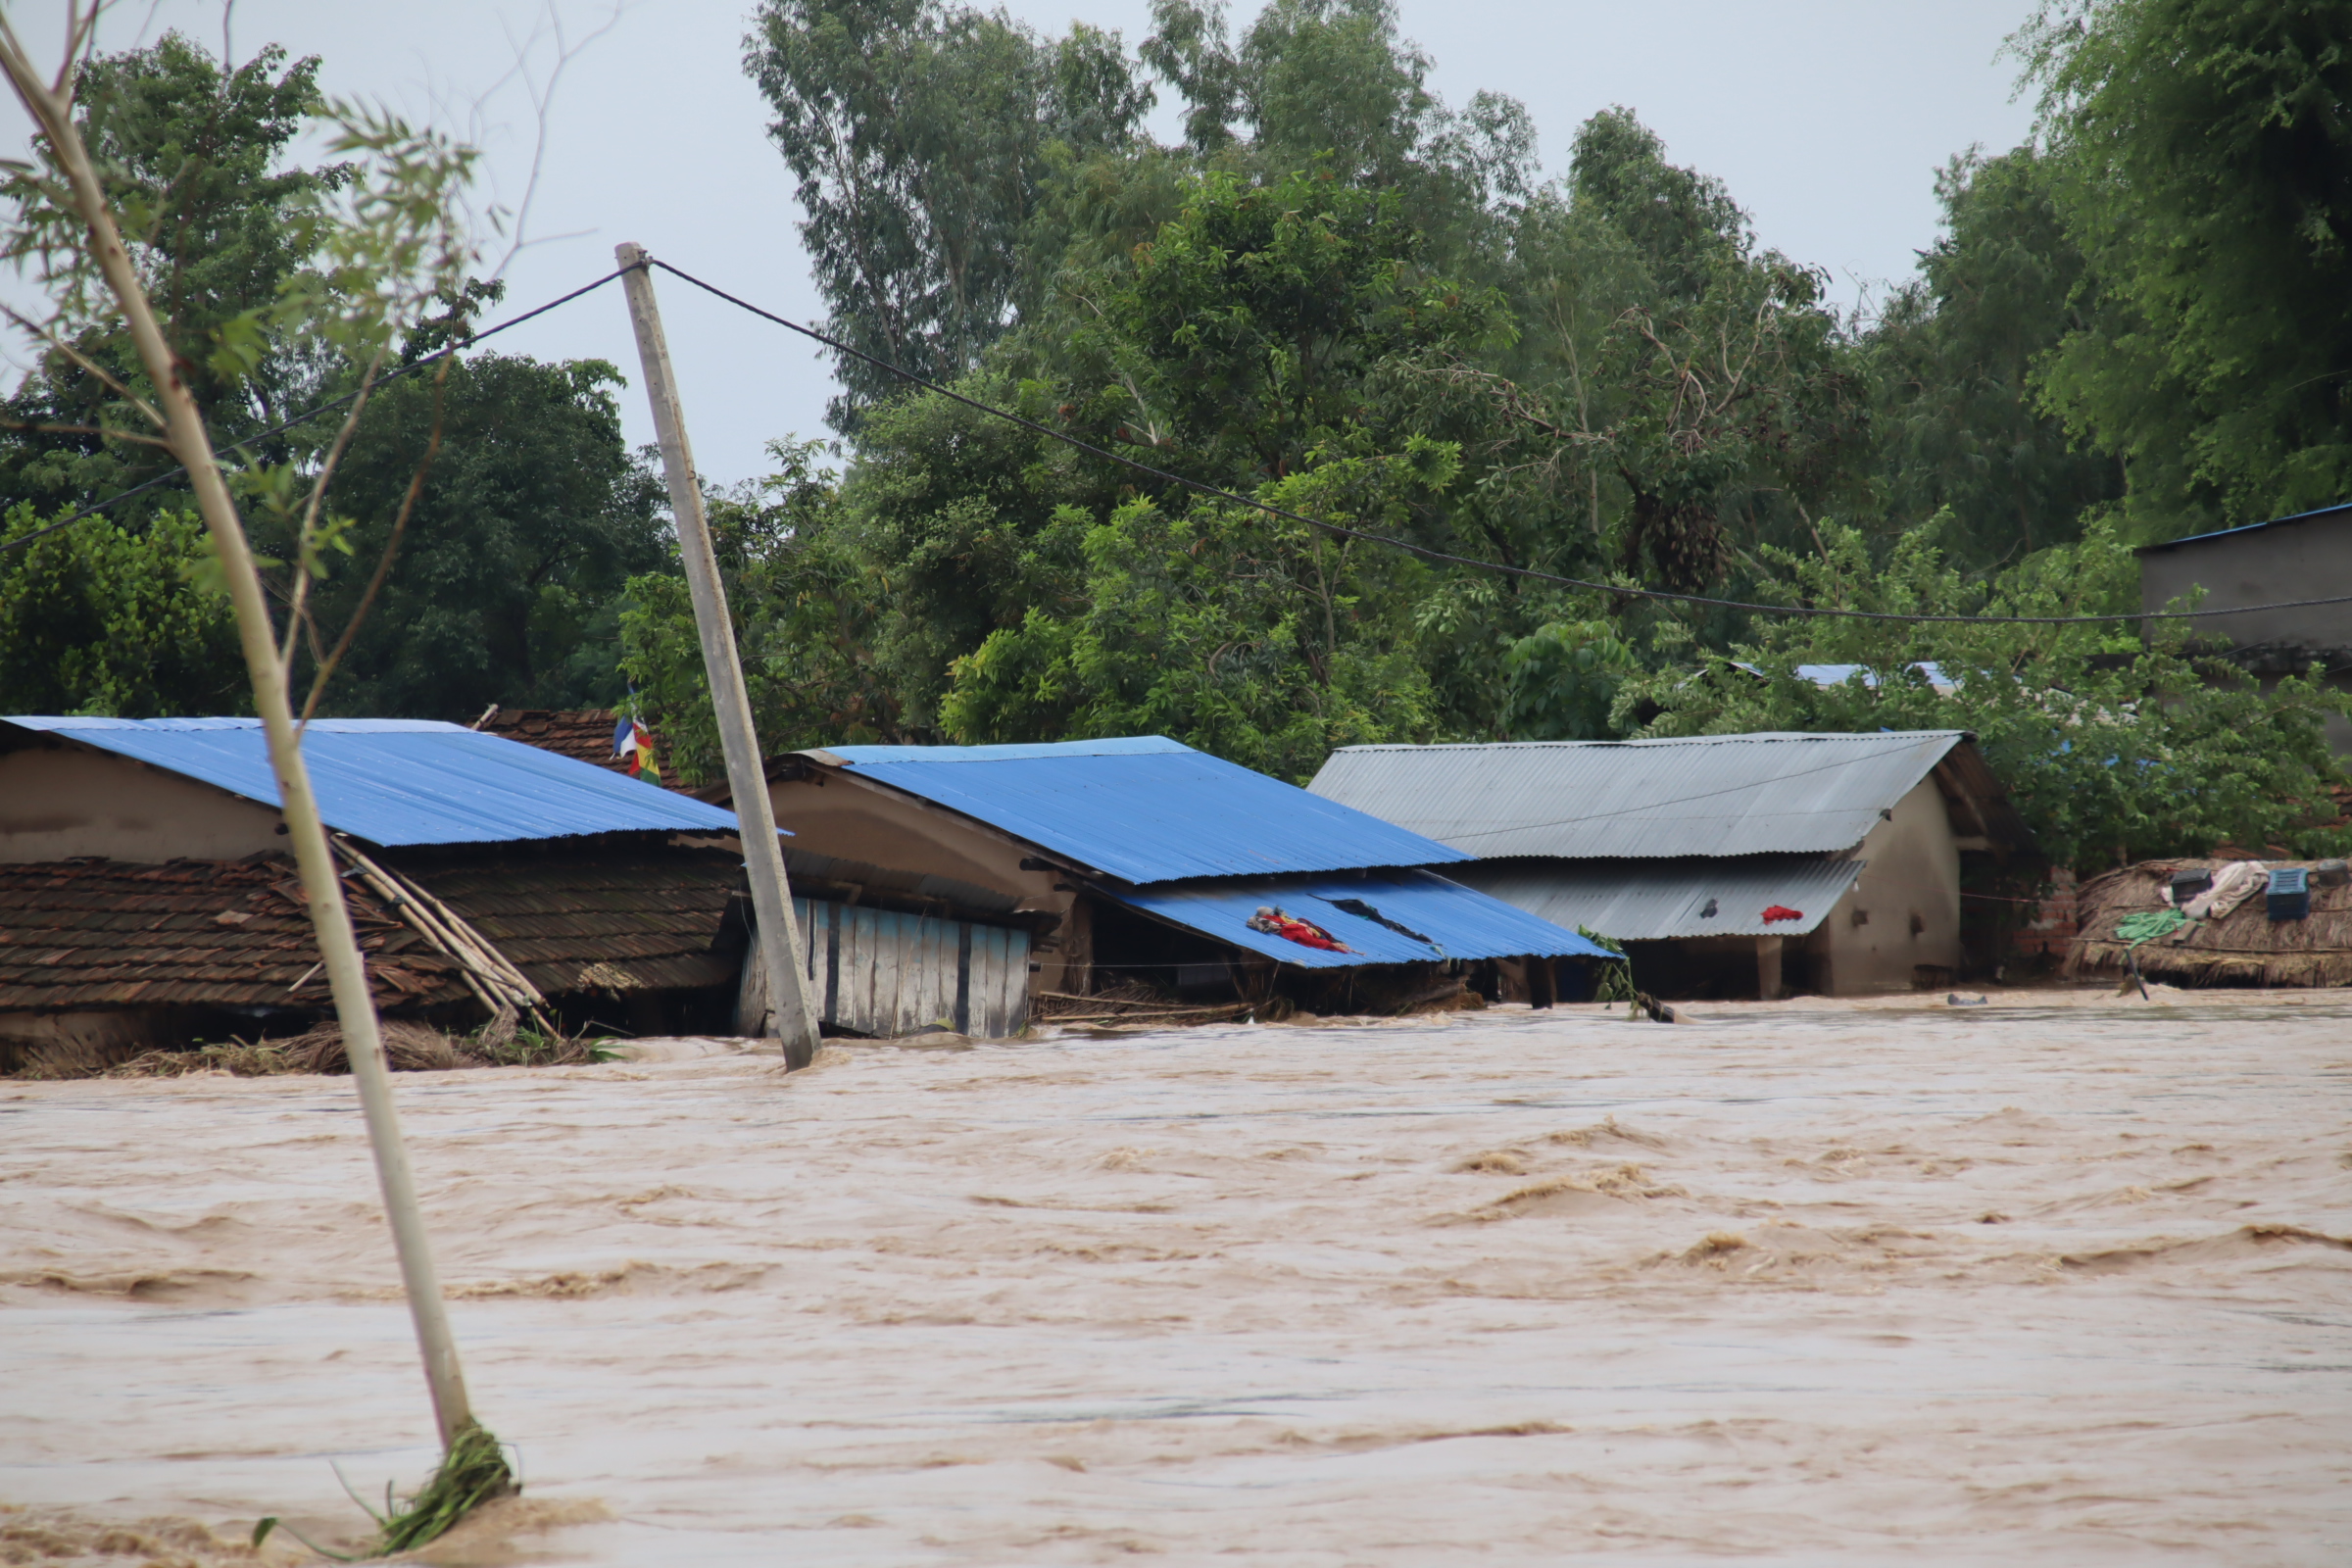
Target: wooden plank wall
[{"x": 883, "y": 974}]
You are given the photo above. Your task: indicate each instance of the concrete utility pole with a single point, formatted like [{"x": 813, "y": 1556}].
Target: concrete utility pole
[{"x": 754, "y": 814}]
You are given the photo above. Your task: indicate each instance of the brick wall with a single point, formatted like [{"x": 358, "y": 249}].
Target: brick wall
[{"x": 2053, "y": 923}]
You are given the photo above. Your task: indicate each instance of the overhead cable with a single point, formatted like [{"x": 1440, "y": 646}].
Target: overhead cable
[
  {"x": 307, "y": 414},
  {"x": 1424, "y": 552}
]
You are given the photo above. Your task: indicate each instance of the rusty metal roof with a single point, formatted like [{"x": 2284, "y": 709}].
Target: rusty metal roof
[{"x": 1711, "y": 795}]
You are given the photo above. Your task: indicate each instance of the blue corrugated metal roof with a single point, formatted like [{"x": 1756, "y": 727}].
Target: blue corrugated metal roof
[
  {"x": 407, "y": 781},
  {"x": 1146, "y": 808},
  {"x": 1459, "y": 922}
]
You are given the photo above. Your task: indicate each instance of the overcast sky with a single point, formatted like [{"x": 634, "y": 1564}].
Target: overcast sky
[{"x": 1828, "y": 119}]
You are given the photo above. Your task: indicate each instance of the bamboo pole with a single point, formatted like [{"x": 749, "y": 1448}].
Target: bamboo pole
[
  {"x": 420, "y": 921},
  {"x": 746, "y": 775},
  {"x": 184, "y": 429}
]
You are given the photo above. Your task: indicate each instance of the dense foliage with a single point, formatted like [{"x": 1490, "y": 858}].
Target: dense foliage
[
  {"x": 2113, "y": 747},
  {"x": 104, "y": 618},
  {"x": 1339, "y": 294},
  {"x": 282, "y": 288}
]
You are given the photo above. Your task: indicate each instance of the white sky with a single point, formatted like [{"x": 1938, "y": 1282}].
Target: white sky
[{"x": 1827, "y": 119}]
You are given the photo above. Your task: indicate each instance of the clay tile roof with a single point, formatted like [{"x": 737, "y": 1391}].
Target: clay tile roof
[
  {"x": 608, "y": 920},
  {"x": 585, "y": 733},
  {"x": 96, "y": 933}
]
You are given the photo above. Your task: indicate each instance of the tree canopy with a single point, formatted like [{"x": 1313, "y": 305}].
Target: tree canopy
[{"x": 1337, "y": 294}]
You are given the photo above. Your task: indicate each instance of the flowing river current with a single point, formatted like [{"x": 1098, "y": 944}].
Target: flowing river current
[{"x": 2056, "y": 1280}]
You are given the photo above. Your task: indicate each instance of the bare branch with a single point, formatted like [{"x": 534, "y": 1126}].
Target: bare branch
[
  {"x": 309, "y": 510},
  {"x": 105, "y": 375},
  {"x": 107, "y": 432},
  {"x": 543, "y": 99}
]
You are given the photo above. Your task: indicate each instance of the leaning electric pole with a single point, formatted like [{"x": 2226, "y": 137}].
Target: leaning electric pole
[{"x": 747, "y": 777}]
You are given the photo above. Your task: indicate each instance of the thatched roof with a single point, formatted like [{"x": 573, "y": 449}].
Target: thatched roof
[{"x": 2246, "y": 949}]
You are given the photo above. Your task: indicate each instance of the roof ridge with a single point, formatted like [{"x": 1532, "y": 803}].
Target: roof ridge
[{"x": 1751, "y": 737}]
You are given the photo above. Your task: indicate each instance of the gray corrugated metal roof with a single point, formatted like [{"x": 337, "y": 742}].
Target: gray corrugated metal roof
[
  {"x": 1760, "y": 794},
  {"x": 1646, "y": 901}
]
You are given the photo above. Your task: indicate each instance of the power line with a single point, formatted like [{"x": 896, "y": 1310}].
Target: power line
[
  {"x": 1426, "y": 553},
  {"x": 284, "y": 426}
]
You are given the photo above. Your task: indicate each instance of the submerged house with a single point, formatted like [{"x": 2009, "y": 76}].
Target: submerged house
[
  {"x": 1732, "y": 865},
  {"x": 1088, "y": 866},
  {"x": 2261, "y": 923},
  {"x": 146, "y": 896}
]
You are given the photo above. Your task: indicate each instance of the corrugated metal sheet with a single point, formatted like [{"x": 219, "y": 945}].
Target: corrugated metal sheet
[
  {"x": 1144, "y": 809},
  {"x": 1459, "y": 922},
  {"x": 1708, "y": 795},
  {"x": 882, "y": 973},
  {"x": 1646, "y": 901},
  {"x": 398, "y": 782}
]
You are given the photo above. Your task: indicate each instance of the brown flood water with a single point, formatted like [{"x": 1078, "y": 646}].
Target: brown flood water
[{"x": 1809, "y": 1283}]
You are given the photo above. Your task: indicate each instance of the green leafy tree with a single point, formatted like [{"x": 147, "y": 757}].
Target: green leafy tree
[
  {"x": 1695, "y": 398},
  {"x": 922, "y": 134},
  {"x": 1954, "y": 352},
  {"x": 2202, "y": 161},
  {"x": 106, "y": 617},
  {"x": 808, "y": 611},
  {"x": 191, "y": 152},
  {"x": 2112, "y": 748},
  {"x": 1266, "y": 645},
  {"x": 507, "y": 579},
  {"x": 1006, "y": 586},
  {"x": 1562, "y": 681}
]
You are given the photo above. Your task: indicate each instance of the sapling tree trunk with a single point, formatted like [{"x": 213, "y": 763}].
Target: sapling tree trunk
[{"x": 183, "y": 429}]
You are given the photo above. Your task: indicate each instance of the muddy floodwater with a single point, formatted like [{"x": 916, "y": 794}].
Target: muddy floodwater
[{"x": 2038, "y": 1282}]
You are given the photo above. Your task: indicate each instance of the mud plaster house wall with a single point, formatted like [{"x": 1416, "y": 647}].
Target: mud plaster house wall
[
  {"x": 837, "y": 815},
  {"x": 1904, "y": 908},
  {"x": 59, "y": 801}
]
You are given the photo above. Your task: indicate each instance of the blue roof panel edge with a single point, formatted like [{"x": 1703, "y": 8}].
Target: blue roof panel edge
[{"x": 1114, "y": 745}]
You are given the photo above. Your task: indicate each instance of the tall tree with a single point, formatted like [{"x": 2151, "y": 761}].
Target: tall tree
[
  {"x": 191, "y": 152},
  {"x": 1955, "y": 352},
  {"x": 2202, "y": 154},
  {"x": 507, "y": 583},
  {"x": 105, "y": 618},
  {"x": 919, "y": 133}
]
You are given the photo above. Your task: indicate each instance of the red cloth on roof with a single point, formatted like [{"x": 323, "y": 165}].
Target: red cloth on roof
[
  {"x": 1781, "y": 912},
  {"x": 1280, "y": 923}
]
